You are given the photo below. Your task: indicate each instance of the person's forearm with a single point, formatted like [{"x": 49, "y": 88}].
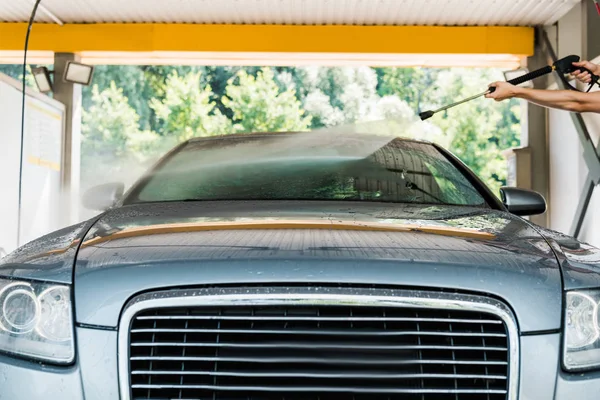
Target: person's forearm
[{"x": 568, "y": 100}]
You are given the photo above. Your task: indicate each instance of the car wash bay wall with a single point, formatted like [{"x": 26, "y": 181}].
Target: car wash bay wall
[
  {"x": 42, "y": 204},
  {"x": 578, "y": 32}
]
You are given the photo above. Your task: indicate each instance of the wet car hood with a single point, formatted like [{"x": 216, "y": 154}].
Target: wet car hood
[{"x": 143, "y": 247}]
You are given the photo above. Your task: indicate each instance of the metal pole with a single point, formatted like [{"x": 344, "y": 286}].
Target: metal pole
[
  {"x": 22, "y": 148},
  {"x": 462, "y": 101}
]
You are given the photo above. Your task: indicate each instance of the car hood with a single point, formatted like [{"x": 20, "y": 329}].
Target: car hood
[
  {"x": 143, "y": 247},
  {"x": 580, "y": 262},
  {"x": 49, "y": 258}
]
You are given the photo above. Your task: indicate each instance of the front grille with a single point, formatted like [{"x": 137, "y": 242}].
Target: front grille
[{"x": 317, "y": 351}]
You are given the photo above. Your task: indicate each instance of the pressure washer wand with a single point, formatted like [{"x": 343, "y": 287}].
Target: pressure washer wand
[
  {"x": 517, "y": 81},
  {"x": 428, "y": 114}
]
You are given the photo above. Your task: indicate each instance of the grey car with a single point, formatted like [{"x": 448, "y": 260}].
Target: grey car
[{"x": 265, "y": 267}]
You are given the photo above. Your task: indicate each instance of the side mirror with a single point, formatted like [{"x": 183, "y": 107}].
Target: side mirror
[
  {"x": 523, "y": 201},
  {"x": 102, "y": 197}
]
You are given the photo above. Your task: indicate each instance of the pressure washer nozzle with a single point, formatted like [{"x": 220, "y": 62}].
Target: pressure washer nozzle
[{"x": 426, "y": 115}]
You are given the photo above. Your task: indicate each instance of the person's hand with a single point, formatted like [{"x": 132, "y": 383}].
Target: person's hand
[
  {"x": 504, "y": 90},
  {"x": 584, "y": 76}
]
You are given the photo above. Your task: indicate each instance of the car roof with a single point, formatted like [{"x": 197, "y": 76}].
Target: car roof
[{"x": 271, "y": 134}]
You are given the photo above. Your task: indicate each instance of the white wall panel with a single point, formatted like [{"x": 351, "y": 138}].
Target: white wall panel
[
  {"x": 565, "y": 170},
  {"x": 590, "y": 231},
  {"x": 41, "y": 188},
  {"x": 10, "y": 98}
]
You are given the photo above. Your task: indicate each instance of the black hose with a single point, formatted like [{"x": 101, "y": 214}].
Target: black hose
[
  {"x": 528, "y": 77},
  {"x": 24, "y": 87},
  {"x": 531, "y": 76}
]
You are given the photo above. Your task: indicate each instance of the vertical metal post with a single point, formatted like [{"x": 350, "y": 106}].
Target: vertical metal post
[
  {"x": 70, "y": 95},
  {"x": 537, "y": 137}
]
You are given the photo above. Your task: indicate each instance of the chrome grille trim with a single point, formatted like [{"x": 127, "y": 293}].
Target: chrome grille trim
[
  {"x": 255, "y": 318},
  {"x": 324, "y": 389},
  {"x": 323, "y": 297},
  {"x": 316, "y": 375},
  {"x": 319, "y": 333},
  {"x": 329, "y": 346},
  {"x": 334, "y": 361}
]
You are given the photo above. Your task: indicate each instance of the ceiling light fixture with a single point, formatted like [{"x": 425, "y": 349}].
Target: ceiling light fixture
[
  {"x": 78, "y": 73},
  {"x": 41, "y": 75},
  {"x": 74, "y": 73}
]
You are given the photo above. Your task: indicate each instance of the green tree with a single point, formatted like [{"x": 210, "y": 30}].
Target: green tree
[
  {"x": 15, "y": 71},
  {"x": 132, "y": 81},
  {"x": 293, "y": 78},
  {"x": 140, "y": 83},
  {"x": 339, "y": 95},
  {"x": 218, "y": 78},
  {"x": 318, "y": 105},
  {"x": 413, "y": 85},
  {"x": 187, "y": 111},
  {"x": 111, "y": 135},
  {"x": 258, "y": 105}
]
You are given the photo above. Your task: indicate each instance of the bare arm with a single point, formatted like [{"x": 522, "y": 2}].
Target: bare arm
[{"x": 568, "y": 100}]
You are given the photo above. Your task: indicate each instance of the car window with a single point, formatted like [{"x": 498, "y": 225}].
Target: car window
[{"x": 400, "y": 171}]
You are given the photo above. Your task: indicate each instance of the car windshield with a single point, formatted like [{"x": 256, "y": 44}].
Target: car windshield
[{"x": 268, "y": 167}]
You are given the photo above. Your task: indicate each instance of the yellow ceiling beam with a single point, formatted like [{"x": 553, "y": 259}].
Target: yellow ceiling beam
[{"x": 75, "y": 38}]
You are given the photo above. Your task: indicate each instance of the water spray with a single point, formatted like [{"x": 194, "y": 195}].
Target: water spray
[{"x": 562, "y": 67}]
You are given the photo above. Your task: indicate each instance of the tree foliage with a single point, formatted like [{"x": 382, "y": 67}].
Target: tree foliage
[
  {"x": 137, "y": 112},
  {"x": 186, "y": 109},
  {"x": 340, "y": 95},
  {"x": 134, "y": 85},
  {"x": 15, "y": 71},
  {"x": 417, "y": 86},
  {"x": 111, "y": 134},
  {"x": 110, "y": 123},
  {"x": 257, "y": 104}
]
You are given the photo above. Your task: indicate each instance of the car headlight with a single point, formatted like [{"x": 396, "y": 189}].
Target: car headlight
[
  {"x": 36, "y": 320},
  {"x": 582, "y": 330}
]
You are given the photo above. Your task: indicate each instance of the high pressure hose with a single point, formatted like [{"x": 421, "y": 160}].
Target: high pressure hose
[
  {"x": 528, "y": 77},
  {"x": 24, "y": 87}
]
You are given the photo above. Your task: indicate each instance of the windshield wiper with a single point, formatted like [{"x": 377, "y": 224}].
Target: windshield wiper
[{"x": 413, "y": 186}]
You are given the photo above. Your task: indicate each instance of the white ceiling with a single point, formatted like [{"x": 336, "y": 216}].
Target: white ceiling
[{"x": 344, "y": 12}]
